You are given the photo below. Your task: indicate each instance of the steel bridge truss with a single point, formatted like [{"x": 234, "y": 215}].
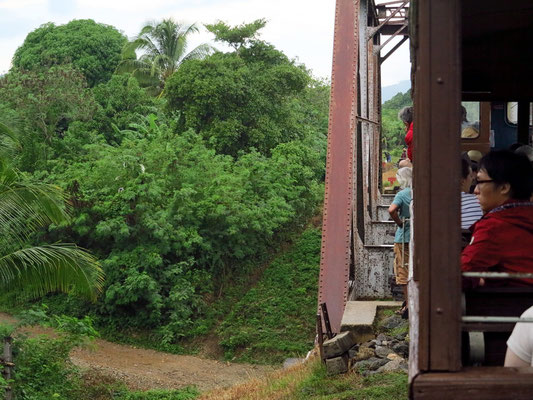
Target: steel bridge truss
[{"x": 354, "y": 262}]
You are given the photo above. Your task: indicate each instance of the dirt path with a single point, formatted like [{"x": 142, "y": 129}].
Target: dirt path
[{"x": 143, "y": 369}]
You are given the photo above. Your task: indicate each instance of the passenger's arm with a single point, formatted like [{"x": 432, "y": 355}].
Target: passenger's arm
[
  {"x": 512, "y": 360},
  {"x": 520, "y": 343},
  {"x": 484, "y": 250},
  {"x": 393, "y": 212}
]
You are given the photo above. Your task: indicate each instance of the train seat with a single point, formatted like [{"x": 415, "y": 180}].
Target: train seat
[{"x": 485, "y": 342}]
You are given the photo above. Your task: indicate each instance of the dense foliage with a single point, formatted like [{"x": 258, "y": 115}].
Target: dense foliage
[
  {"x": 176, "y": 195},
  {"x": 44, "y": 371},
  {"x": 393, "y": 130},
  {"x": 41, "y": 104},
  {"x": 274, "y": 319},
  {"x": 164, "y": 49},
  {"x": 237, "y": 36},
  {"x": 241, "y": 100},
  {"x": 93, "y": 49}
]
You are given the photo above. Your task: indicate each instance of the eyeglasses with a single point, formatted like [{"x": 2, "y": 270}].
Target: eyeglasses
[{"x": 480, "y": 181}]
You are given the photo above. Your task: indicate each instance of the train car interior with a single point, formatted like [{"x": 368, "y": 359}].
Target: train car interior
[{"x": 478, "y": 55}]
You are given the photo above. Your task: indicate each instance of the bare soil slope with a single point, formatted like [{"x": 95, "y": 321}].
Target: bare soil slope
[{"x": 142, "y": 369}]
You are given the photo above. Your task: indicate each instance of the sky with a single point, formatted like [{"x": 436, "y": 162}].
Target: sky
[{"x": 302, "y": 29}]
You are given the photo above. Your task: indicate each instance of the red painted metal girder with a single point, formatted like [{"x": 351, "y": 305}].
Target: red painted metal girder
[{"x": 338, "y": 199}]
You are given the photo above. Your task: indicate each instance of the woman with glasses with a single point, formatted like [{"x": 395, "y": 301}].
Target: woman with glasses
[{"x": 502, "y": 240}]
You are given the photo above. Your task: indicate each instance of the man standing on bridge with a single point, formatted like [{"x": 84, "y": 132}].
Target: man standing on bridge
[{"x": 399, "y": 212}]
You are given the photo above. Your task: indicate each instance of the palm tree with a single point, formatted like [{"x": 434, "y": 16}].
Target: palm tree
[
  {"x": 25, "y": 207},
  {"x": 164, "y": 47}
]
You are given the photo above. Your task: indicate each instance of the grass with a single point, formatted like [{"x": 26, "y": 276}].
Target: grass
[
  {"x": 383, "y": 313},
  {"x": 264, "y": 316},
  {"x": 95, "y": 386},
  {"x": 276, "y": 318},
  {"x": 309, "y": 381}
]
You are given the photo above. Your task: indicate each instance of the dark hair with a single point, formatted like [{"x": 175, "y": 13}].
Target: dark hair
[
  {"x": 465, "y": 168},
  {"x": 504, "y": 166},
  {"x": 515, "y": 146},
  {"x": 463, "y": 114}
]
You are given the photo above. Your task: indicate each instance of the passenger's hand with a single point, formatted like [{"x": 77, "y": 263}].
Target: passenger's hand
[{"x": 481, "y": 282}]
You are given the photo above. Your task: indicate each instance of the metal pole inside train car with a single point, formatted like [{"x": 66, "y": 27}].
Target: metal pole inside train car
[{"x": 523, "y": 122}]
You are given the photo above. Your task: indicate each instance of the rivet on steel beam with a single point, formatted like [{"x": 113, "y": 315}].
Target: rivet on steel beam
[
  {"x": 440, "y": 81},
  {"x": 439, "y": 310}
]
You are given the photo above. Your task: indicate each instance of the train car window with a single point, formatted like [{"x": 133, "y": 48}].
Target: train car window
[
  {"x": 512, "y": 113},
  {"x": 470, "y": 119}
]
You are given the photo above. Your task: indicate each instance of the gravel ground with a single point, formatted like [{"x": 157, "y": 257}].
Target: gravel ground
[{"x": 142, "y": 369}]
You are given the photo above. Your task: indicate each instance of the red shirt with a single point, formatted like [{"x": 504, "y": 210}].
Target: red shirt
[
  {"x": 409, "y": 142},
  {"x": 502, "y": 241}
]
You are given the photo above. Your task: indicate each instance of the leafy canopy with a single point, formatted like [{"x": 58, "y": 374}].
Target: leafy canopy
[
  {"x": 163, "y": 47},
  {"x": 92, "y": 48},
  {"x": 238, "y": 36},
  {"x": 393, "y": 130},
  {"x": 240, "y": 101},
  {"x": 27, "y": 206},
  {"x": 177, "y": 201},
  {"x": 40, "y": 104}
]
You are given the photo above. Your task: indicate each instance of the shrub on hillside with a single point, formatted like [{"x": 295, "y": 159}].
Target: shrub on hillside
[{"x": 276, "y": 318}]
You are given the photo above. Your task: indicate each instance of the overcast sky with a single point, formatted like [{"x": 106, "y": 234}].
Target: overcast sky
[{"x": 302, "y": 29}]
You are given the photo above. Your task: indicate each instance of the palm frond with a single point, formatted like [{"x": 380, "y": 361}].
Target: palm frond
[
  {"x": 148, "y": 28},
  {"x": 36, "y": 271},
  {"x": 129, "y": 66},
  {"x": 8, "y": 141},
  {"x": 164, "y": 47},
  {"x": 26, "y": 206},
  {"x": 146, "y": 77},
  {"x": 199, "y": 52}
]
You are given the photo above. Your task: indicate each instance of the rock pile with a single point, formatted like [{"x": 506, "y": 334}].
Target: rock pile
[{"x": 387, "y": 352}]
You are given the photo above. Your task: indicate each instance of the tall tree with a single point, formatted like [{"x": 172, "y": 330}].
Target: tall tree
[
  {"x": 164, "y": 48},
  {"x": 40, "y": 104},
  {"x": 245, "y": 99},
  {"x": 237, "y": 36},
  {"x": 25, "y": 207},
  {"x": 92, "y": 48}
]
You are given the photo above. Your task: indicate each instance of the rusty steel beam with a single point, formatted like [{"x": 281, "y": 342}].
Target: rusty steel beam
[
  {"x": 378, "y": 48},
  {"x": 367, "y": 120},
  {"x": 396, "y": 11},
  {"x": 391, "y": 51},
  {"x": 338, "y": 197},
  {"x": 388, "y": 3}
]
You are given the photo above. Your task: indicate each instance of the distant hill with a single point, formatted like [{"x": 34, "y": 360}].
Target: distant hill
[{"x": 388, "y": 92}]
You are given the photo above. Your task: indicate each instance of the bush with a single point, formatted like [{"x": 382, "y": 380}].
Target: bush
[
  {"x": 276, "y": 318},
  {"x": 172, "y": 219},
  {"x": 43, "y": 370},
  {"x": 93, "y": 48}
]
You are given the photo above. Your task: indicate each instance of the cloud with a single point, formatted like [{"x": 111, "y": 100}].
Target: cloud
[
  {"x": 20, "y": 4},
  {"x": 62, "y": 6},
  {"x": 301, "y": 29},
  {"x": 397, "y": 67}
]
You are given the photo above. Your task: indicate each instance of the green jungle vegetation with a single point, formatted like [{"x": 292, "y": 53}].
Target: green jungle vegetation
[
  {"x": 185, "y": 171},
  {"x": 194, "y": 177},
  {"x": 44, "y": 370},
  {"x": 393, "y": 130}
]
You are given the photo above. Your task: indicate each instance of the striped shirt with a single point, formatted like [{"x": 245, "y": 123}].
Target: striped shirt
[{"x": 470, "y": 210}]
